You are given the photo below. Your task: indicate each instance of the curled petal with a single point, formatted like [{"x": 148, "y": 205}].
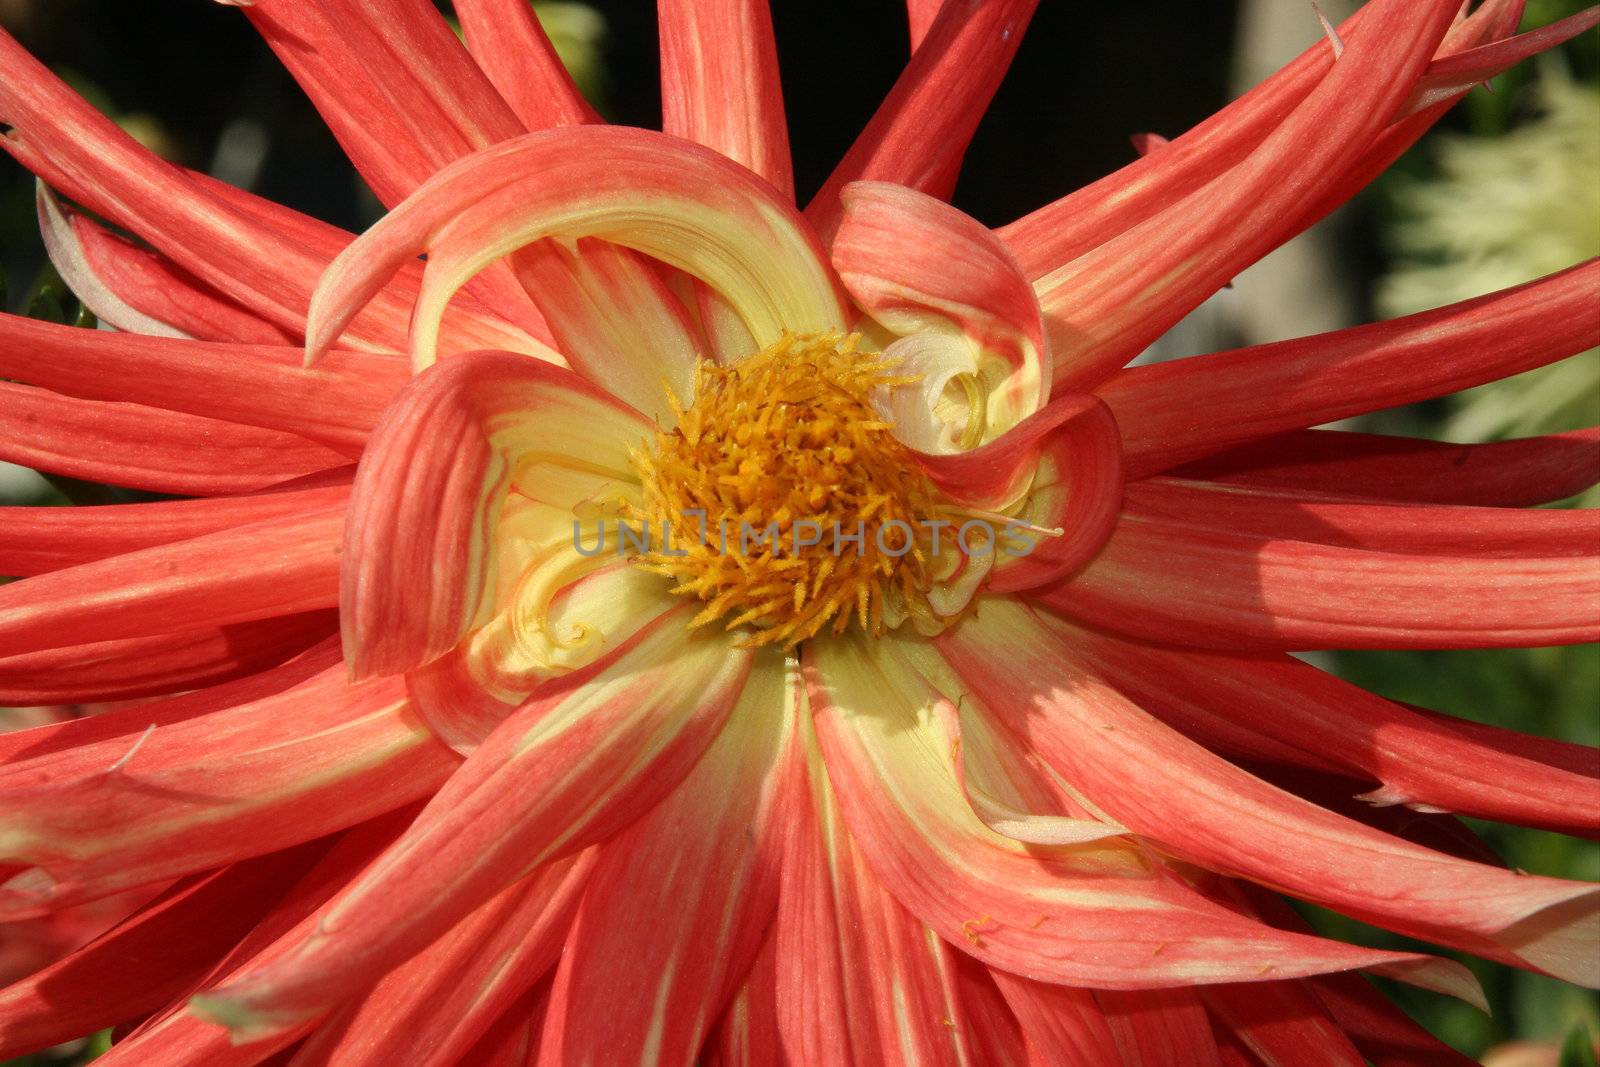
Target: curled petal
[
  {"x": 944, "y": 410},
  {"x": 996, "y": 475},
  {"x": 680, "y": 203},
  {"x": 470, "y": 690},
  {"x": 1072, "y": 504},
  {"x": 420, "y": 550},
  {"x": 919, "y": 266}
]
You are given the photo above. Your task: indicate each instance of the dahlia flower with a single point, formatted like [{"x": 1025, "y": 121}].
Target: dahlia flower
[{"x": 419, "y": 768}]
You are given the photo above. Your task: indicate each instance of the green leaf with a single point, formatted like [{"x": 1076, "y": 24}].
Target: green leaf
[
  {"x": 46, "y": 306},
  {"x": 1578, "y": 1049}
]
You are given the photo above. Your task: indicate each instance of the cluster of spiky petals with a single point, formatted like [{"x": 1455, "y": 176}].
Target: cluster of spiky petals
[
  {"x": 1053, "y": 832},
  {"x": 782, "y": 500}
]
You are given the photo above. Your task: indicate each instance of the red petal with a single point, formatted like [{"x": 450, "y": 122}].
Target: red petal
[
  {"x": 213, "y": 789},
  {"x": 395, "y": 86},
  {"x": 1103, "y": 308},
  {"x": 148, "y": 448},
  {"x": 432, "y": 1010},
  {"x": 1285, "y": 711},
  {"x": 994, "y": 1034},
  {"x": 920, "y": 15},
  {"x": 335, "y": 403},
  {"x": 1063, "y": 1023},
  {"x": 1095, "y": 914},
  {"x": 614, "y": 320},
  {"x": 719, "y": 83},
  {"x": 151, "y": 958},
  {"x": 179, "y": 1038},
  {"x": 257, "y": 253},
  {"x": 1174, "y": 412},
  {"x": 1173, "y": 582},
  {"x": 139, "y": 291},
  {"x": 1449, "y": 77},
  {"x": 1518, "y": 473},
  {"x": 1426, "y": 529},
  {"x": 134, "y": 667},
  {"x": 1061, "y": 232},
  {"x": 860, "y": 981},
  {"x": 1384, "y": 1034},
  {"x": 584, "y": 758},
  {"x": 505, "y": 37},
  {"x": 34, "y": 540},
  {"x": 280, "y": 566},
  {"x": 920, "y": 132},
  {"x": 747, "y": 1034},
  {"x": 1230, "y": 821},
  {"x": 1283, "y": 1024},
  {"x": 1154, "y": 1027},
  {"x": 680, "y": 902},
  {"x": 130, "y": 720}
]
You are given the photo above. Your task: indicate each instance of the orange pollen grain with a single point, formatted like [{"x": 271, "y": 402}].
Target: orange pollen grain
[{"x": 787, "y": 441}]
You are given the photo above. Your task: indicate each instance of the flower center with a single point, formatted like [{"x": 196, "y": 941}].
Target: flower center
[{"x": 782, "y": 500}]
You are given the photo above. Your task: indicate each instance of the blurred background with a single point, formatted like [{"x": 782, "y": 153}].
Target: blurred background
[{"x": 1507, "y": 188}]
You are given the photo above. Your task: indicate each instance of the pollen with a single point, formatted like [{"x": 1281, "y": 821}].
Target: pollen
[{"x": 782, "y": 500}]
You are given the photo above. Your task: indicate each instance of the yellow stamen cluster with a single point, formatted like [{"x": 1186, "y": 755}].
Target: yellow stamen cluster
[{"x": 788, "y": 439}]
